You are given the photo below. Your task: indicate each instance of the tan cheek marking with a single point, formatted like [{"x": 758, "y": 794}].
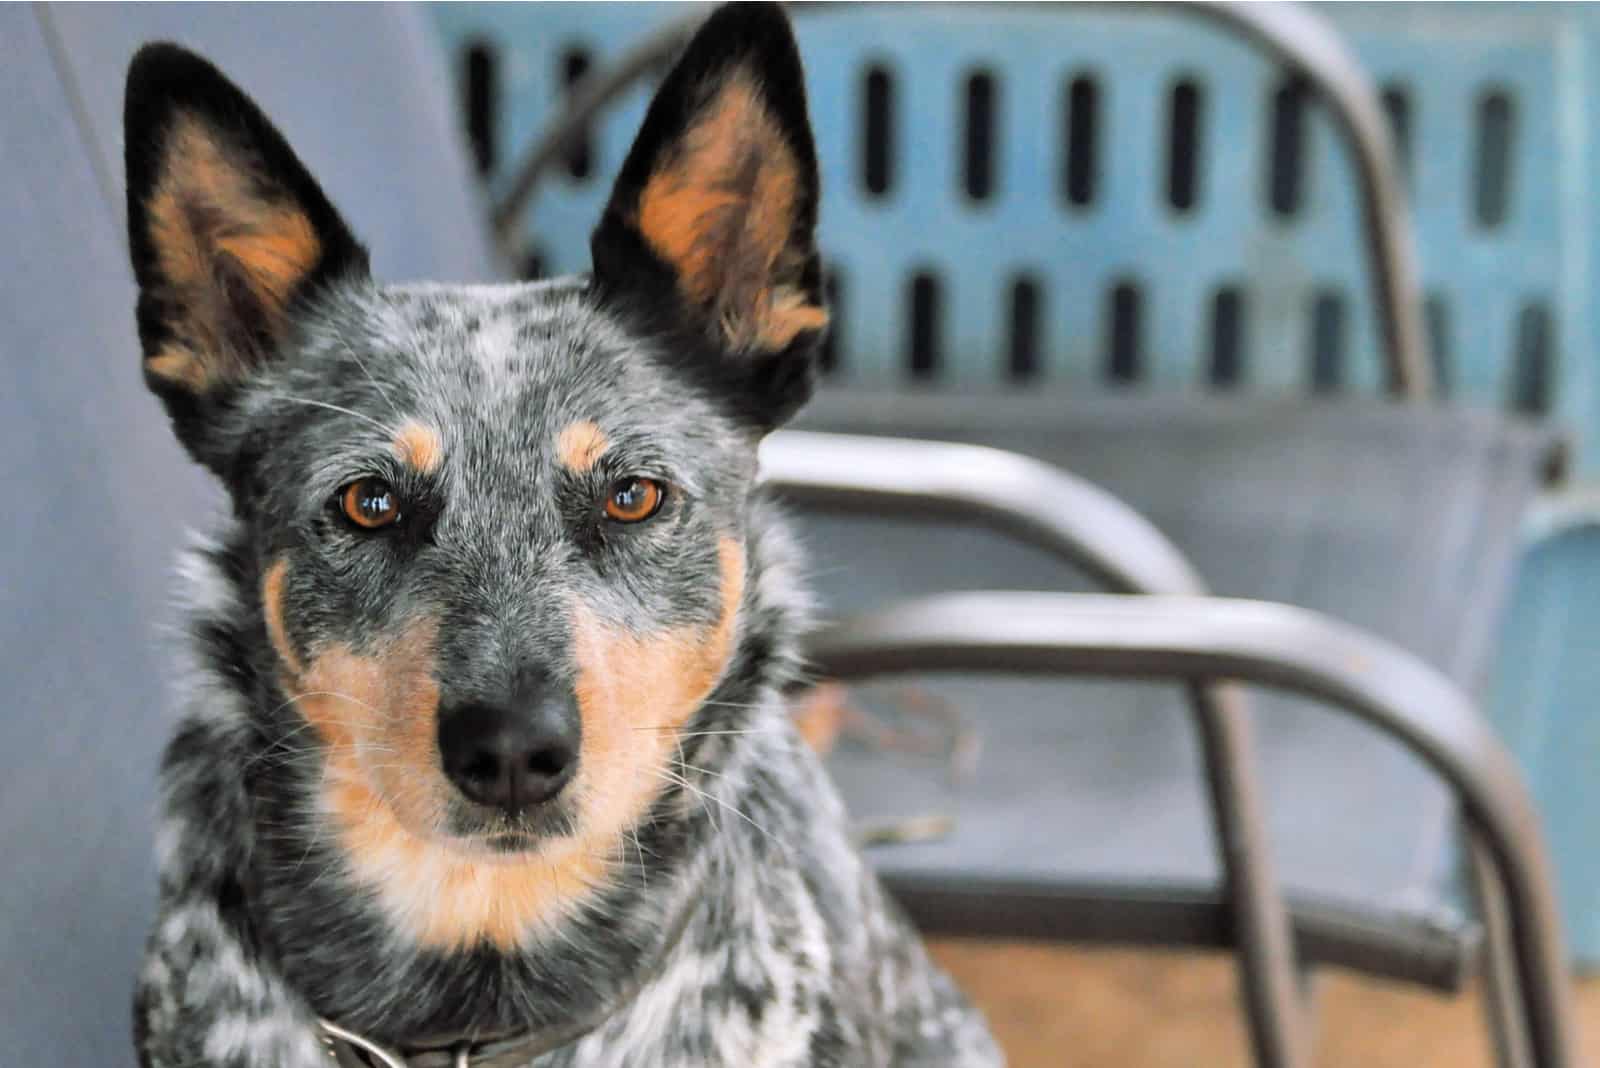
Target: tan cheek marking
[
  {"x": 204, "y": 208},
  {"x": 388, "y": 812},
  {"x": 580, "y": 445},
  {"x": 419, "y": 448},
  {"x": 721, "y": 211},
  {"x": 633, "y": 692},
  {"x": 272, "y": 609}
]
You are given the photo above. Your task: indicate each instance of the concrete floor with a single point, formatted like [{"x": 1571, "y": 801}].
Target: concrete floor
[{"x": 1054, "y": 1006}]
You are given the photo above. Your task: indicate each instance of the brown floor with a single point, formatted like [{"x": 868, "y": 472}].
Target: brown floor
[{"x": 1052, "y": 1006}]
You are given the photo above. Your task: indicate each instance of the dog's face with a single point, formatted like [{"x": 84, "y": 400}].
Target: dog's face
[{"x": 499, "y": 531}]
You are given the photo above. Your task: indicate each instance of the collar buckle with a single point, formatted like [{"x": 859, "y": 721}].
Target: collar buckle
[{"x": 349, "y": 1050}]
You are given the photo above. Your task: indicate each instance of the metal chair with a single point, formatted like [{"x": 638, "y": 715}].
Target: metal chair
[
  {"x": 1028, "y": 501},
  {"x": 1413, "y": 550}
]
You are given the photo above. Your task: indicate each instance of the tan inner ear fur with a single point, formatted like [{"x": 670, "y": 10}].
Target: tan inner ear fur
[
  {"x": 721, "y": 209},
  {"x": 208, "y": 209},
  {"x": 384, "y": 794}
]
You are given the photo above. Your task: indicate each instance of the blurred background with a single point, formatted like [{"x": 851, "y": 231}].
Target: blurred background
[{"x": 1312, "y": 289}]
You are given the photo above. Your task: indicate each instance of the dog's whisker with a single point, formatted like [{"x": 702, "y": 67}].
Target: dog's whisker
[
  {"x": 350, "y": 351},
  {"x": 746, "y": 706},
  {"x": 317, "y": 826},
  {"x": 296, "y": 735},
  {"x": 633, "y": 831},
  {"x": 699, "y": 734},
  {"x": 678, "y": 780},
  {"x": 302, "y": 728},
  {"x": 285, "y": 759},
  {"x": 686, "y": 784},
  {"x": 296, "y": 698},
  {"x": 387, "y": 430},
  {"x": 276, "y": 748},
  {"x": 644, "y": 870},
  {"x": 279, "y": 747},
  {"x": 707, "y": 772}
]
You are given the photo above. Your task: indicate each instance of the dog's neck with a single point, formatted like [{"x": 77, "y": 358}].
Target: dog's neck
[{"x": 336, "y": 944}]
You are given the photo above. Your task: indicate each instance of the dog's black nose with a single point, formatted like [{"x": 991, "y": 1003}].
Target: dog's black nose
[{"x": 511, "y": 758}]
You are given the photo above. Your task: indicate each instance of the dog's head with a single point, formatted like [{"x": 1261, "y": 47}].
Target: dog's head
[{"x": 498, "y": 532}]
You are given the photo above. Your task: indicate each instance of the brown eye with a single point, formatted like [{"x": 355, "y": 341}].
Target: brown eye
[
  {"x": 370, "y": 503},
  {"x": 633, "y": 499}
]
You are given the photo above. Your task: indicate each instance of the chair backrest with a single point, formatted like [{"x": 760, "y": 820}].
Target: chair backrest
[
  {"x": 99, "y": 493},
  {"x": 1028, "y": 192}
]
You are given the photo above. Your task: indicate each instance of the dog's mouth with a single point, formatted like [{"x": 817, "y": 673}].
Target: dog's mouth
[
  {"x": 474, "y": 829},
  {"x": 510, "y": 842}
]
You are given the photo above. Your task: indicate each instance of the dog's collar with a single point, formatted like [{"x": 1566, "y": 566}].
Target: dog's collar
[
  {"x": 347, "y": 1049},
  {"x": 350, "y": 1050}
]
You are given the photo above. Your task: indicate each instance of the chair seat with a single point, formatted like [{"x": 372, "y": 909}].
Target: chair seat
[{"x": 1088, "y": 794}]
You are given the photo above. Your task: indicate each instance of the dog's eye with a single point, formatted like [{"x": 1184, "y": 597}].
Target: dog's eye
[
  {"x": 370, "y": 503},
  {"x": 631, "y": 500}
]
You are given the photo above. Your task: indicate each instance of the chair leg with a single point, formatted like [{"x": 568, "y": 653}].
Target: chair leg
[
  {"x": 1504, "y": 997},
  {"x": 1312, "y": 984},
  {"x": 1267, "y": 971}
]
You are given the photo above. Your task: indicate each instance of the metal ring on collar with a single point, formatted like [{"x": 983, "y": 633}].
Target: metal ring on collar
[{"x": 340, "y": 1042}]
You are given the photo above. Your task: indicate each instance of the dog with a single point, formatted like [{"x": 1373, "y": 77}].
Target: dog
[{"x": 484, "y": 757}]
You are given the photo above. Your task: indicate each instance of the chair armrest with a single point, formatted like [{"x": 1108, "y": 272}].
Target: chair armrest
[
  {"x": 1016, "y": 495},
  {"x": 1279, "y": 645},
  {"x": 1195, "y": 638}
]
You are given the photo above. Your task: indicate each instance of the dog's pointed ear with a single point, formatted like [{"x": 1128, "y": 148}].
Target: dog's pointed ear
[
  {"x": 711, "y": 224},
  {"x": 226, "y": 229}
]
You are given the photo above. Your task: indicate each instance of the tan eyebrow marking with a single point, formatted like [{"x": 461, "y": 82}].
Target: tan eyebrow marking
[
  {"x": 419, "y": 447},
  {"x": 580, "y": 444}
]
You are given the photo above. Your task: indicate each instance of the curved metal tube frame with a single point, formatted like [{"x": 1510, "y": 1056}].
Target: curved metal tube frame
[
  {"x": 1275, "y": 645},
  {"x": 1026, "y": 498},
  {"x": 592, "y": 95},
  {"x": 1291, "y": 34},
  {"x": 1077, "y": 520},
  {"x": 1307, "y": 44}
]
